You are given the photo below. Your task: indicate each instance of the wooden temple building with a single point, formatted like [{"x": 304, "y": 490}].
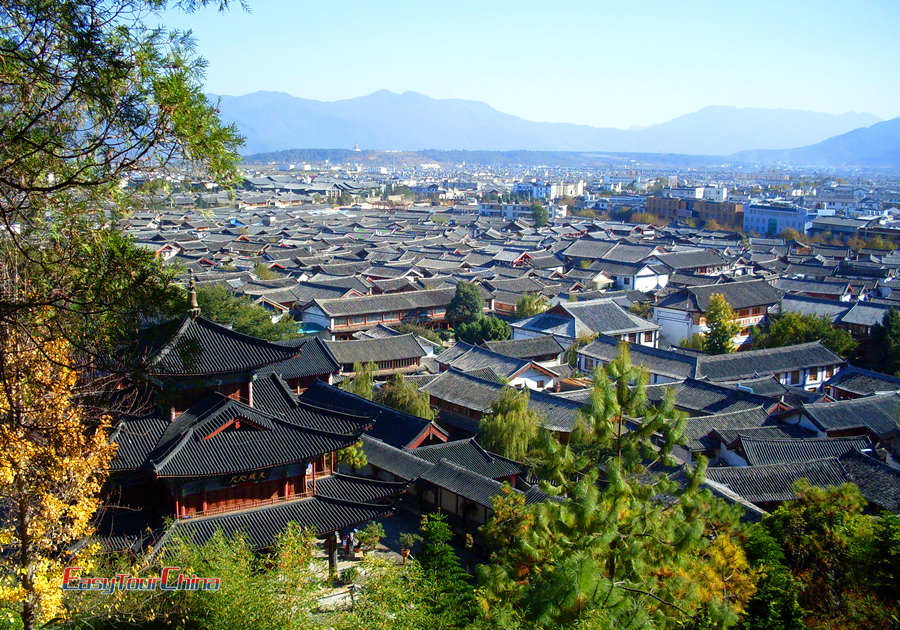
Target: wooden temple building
[{"x": 230, "y": 445}]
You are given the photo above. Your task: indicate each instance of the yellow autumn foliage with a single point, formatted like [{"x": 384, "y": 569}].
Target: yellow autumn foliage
[
  {"x": 723, "y": 573},
  {"x": 53, "y": 462}
]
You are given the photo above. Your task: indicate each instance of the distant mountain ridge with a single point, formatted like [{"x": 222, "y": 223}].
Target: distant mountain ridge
[
  {"x": 385, "y": 120},
  {"x": 876, "y": 146}
]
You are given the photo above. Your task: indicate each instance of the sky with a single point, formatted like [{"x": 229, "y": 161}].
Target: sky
[{"x": 608, "y": 64}]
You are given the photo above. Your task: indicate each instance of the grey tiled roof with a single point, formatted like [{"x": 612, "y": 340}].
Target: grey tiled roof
[
  {"x": 376, "y": 349},
  {"x": 389, "y": 425},
  {"x": 773, "y": 483},
  {"x": 262, "y": 525},
  {"x": 463, "y": 482},
  {"x": 192, "y": 447},
  {"x": 470, "y": 358},
  {"x": 526, "y": 348},
  {"x": 199, "y": 346},
  {"x": 356, "y": 489},
  {"x": 765, "y": 362},
  {"x": 878, "y": 482},
  {"x": 697, "y": 428},
  {"x": 386, "y": 302},
  {"x": 766, "y": 451},
  {"x": 863, "y": 382},
  {"x": 665, "y": 362},
  {"x": 313, "y": 359},
  {"x": 738, "y": 294},
  {"x": 397, "y": 461},
  {"x": 877, "y": 413},
  {"x": 479, "y": 394},
  {"x": 470, "y": 455},
  {"x": 699, "y": 397}
]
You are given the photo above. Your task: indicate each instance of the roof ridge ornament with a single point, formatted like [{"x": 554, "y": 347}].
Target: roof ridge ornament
[{"x": 193, "y": 306}]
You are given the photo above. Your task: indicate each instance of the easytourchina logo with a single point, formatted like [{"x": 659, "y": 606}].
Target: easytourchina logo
[{"x": 169, "y": 579}]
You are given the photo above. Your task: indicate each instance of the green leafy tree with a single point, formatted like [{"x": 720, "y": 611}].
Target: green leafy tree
[
  {"x": 220, "y": 305},
  {"x": 92, "y": 95},
  {"x": 483, "y": 329},
  {"x": 467, "y": 304},
  {"x": 263, "y": 272},
  {"x": 610, "y": 552},
  {"x": 353, "y": 456},
  {"x": 269, "y": 590},
  {"x": 531, "y": 303},
  {"x": 419, "y": 331},
  {"x": 363, "y": 381},
  {"x": 370, "y": 535},
  {"x": 539, "y": 215},
  {"x": 404, "y": 396},
  {"x": 641, "y": 309},
  {"x": 774, "y": 606},
  {"x": 694, "y": 342},
  {"x": 886, "y": 342},
  {"x": 790, "y": 328},
  {"x": 570, "y": 356},
  {"x": 510, "y": 428},
  {"x": 814, "y": 532},
  {"x": 393, "y": 598},
  {"x": 721, "y": 326}
]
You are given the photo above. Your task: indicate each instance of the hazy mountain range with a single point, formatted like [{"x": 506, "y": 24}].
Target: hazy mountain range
[
  {"x": 273, "y": 121},
  {"x": 877, "y": 146}
]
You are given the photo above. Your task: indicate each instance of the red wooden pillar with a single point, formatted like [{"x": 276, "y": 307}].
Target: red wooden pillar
[
  {"x": 314, "y": 477},
  {"x": 177, "y": 506}
]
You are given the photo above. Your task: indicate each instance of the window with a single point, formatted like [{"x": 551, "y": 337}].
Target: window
[
  {"x": 795, "y": 377},
  {"x": 829, "y": 371},
  {"x": 540, "y": 384},
  {"x": 648, "y": 336}
]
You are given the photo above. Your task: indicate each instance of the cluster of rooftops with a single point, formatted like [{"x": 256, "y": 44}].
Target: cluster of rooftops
[{"x": 248, "y": 431}]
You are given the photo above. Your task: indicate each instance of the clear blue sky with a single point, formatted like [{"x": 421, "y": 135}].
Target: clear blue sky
[{"x": 618, "y": 64}]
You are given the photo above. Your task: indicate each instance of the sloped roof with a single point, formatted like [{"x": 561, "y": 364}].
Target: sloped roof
[
  {"x": 388, "y": 348},
  {"x": 859, "y": 381},
  {"x": 765, "y": 362},
  {"x": 262, "y": 525},
  {"x": 773, "y": 482},
  {"x": 389, "y": 425},
  {"x": 469, "y": 454},
  {"x": 385, "y": 302},
  {"x": 744, "y": 294},
  {"x": 877, "y": 413},
  {"x": 190, "y": 346},
  {"x": 201, "y": 441},
  {"x": 697, "y": 428},
  {"x": 766, "y": 451},
  {"x": 527, "y": 348},
  {"x": 479, "y": 394},
  {"x": 665, "y": 362}
]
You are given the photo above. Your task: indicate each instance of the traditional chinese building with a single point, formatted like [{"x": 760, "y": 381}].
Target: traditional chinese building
[{"x": 228, "y": 433}]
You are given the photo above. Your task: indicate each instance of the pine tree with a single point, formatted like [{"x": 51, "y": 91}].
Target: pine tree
[
  {"x": 467, "y": 304},
  {"x": 886, "y": 338},
  {"x": 624, "y": 544},
  {"x": 452, "y": 607},
  {"x": 721, "y": 326}
]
